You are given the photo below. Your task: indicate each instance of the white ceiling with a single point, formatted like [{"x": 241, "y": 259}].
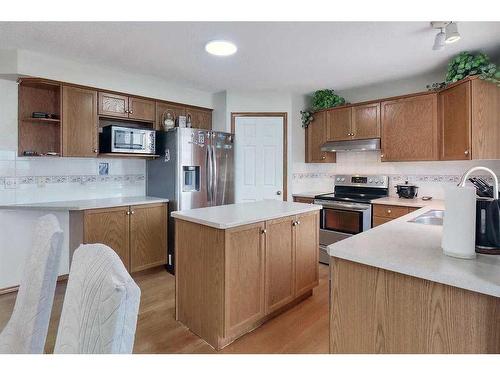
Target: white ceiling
[{"x": 291, "y": 56}]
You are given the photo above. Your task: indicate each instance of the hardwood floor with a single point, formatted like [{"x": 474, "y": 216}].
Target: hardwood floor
[{"x": 302, "y": 329}]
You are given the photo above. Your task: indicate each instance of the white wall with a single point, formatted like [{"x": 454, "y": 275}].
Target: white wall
[{"x": 24, "y": 180}]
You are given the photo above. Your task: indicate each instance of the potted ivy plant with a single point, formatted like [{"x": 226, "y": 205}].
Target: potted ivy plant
[{"x": 321, "y": 99}]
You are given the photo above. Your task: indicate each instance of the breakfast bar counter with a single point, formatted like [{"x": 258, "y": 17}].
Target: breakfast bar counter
[{"x": 394, "y": 291}]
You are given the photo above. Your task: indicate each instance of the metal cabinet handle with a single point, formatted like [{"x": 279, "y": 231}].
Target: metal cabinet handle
[
  {"x": 466, "y": 152},
  {"x": 381, "y": 155},
  {"x": 127, "y": 213},
  {"x": 132, "y": 212},
  {"x": 323, "y": 157},
  {"x": 298, "y": 222},
  {"x": 95, "y": 150},
  {"x": 263, "y": 231},
  {"x": 389, "y": 211},
  {"x": 130, "y": 112}
]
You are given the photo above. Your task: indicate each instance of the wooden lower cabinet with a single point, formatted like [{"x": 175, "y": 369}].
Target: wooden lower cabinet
[
  {"x": 228, "y": 282},
  {"x": 244, "y": 286},
  {"x": 383, "y": 213},
  {"x": 138, "y": 234},
  {"x": 303, "y": 200},
  {"x": 109, "y": 226},
  {"x": 373, "y": 310},
  {"x": 306, "y": 238},
  {"x": 280, "y": 263},
  {"x": 148, "y": 236}
]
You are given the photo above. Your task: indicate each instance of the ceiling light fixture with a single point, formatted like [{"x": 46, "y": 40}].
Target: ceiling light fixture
[
  {"x": 221, "y": 48},
  {"x": 452, "y": 34},
  {"x": 439, "y": 41},
  {"x": 448, "y": 33}
]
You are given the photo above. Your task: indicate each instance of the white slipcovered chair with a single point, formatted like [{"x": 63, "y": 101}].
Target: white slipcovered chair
[
  {"x": 26, "y": 331},
  {"x": 100, "y": 308}
]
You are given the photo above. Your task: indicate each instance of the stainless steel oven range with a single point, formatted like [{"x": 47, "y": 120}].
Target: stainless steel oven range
[{"x": 348, "y": 210}]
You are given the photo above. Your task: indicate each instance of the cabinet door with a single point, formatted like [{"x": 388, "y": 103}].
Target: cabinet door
[
  {"x": 141, "y": 109},
  {"x": 485, "y": 120},
  {"x": 244, "y": 283},
  {"x": 455, "y": 124},
  {"x": 113, "y": 105},
  {"x": 280, "y": 263},
  {"x": 109, "y": 226},
  {"x": 79, "y": 122},
  {"x": 148, "y": 236},
  {"x": 409, "y": 129},
  {"x": 366, "y": 121},
  {"x": 315, "y": 137},
  {"x": 306, "y": 252},
  {"x": 162, "y": 108},
  {"x": 339, "y": 124},
  {"x": 200, "y": 119}
]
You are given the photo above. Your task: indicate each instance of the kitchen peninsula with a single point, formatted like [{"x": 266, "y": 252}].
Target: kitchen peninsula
[
  {"x": 394, "y": 291},
  {"x": 241, "y": 264}
]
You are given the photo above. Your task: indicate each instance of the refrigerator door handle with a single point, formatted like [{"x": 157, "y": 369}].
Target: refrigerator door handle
[
  {"x": 208, "y": 173},
  {"x": 214, "y": 176}
]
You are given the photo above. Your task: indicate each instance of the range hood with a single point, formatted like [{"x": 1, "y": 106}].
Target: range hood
[{"x": 372, "y": 144}]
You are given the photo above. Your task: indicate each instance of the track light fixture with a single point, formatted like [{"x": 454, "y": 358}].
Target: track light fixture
[{"x": 448, "y": 33}]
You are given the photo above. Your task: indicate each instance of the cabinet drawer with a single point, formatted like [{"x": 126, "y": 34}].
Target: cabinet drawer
[
  {"x": 388, "y": 211},
  {"x": 303, "y": 200},
  {"x": 380, "y": 220}
]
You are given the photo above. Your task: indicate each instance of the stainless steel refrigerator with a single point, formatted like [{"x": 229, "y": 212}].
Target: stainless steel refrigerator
[{"x": 195, "y": 169}]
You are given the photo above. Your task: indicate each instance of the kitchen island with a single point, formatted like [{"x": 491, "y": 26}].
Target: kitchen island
[
  {"x": 394, "y": 291},
  {"x": 239, "y": 265}
]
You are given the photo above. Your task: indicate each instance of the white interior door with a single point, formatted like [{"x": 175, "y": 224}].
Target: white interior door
[{"x": 258, "y": 156}]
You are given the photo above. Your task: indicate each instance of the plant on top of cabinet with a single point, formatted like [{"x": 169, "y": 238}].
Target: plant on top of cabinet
[
  {"x": 464, "y": 65},
  {"x": 326, "y": 98},
  {"x": 306, "y": 116}
]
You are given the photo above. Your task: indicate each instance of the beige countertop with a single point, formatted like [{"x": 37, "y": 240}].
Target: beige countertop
[
  {"x": 415, "y": 249},
  {"x": 238, "y": 214},
  {"x": 85, "y": 204},
  {"x": 415, "y": 202}
]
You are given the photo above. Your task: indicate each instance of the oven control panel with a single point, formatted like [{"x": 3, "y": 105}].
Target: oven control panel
[{"x": 364, "y": 181}]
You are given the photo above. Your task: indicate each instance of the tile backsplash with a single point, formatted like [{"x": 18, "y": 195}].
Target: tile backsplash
[
  {"x": 430, "y": 177},
  {"x": 26, "y": 180}
]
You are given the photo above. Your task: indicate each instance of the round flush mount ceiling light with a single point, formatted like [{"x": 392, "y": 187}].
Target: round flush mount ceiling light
[{"x": 221, "y": 48}]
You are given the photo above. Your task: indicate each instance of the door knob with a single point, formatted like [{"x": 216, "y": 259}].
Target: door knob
[{"x": 278, "y": 192}]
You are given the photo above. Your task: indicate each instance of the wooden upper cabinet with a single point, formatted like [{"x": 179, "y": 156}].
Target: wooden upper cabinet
[
  {"x": 455, "y": 110},
  {"x": 113, "y": 105},
  {"x": 339, "y": 124},
  {"x": 244, "y": 278},
  {"x": 141, "y": 109},
  {"x": 306, "y": 243},
  {"x": 123, "y": 106},
  {"x": 365, "y": 121},
  {"x": 316, "y": 134},
  {"x": 109, "y": 226},
  {"x": 485, "y": 120},
  {"x": 163, "y": 108},
  {"x": 200, "y": 119},
  {"x": 148, "y": 236},
  {"x": 280, "y": 263},
  {"x": 410, "y": 128},
  {"x": 79, "y": 121}
]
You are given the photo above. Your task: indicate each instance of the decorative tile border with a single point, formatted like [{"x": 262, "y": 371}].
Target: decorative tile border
[
  {"x": 395, "y": 178},
  {"x": 14, "y": 182}
]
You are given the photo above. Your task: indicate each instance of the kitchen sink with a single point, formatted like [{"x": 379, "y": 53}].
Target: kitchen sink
[{"x": 432, "y": 217}]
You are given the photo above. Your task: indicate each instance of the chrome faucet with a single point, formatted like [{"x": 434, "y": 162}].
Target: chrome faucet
[{"x": 466, "y": 175}]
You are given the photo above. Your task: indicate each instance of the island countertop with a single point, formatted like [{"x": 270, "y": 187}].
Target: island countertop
[
  {"x": 85, "y": 204},
  {"x": 415, "y": 249},
  {"x": 235, "y": 215}
]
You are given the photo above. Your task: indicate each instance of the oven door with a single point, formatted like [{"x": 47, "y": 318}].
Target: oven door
[
  {"x": 340, "y": 220},
  {"x": 344, "y": 217}
]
